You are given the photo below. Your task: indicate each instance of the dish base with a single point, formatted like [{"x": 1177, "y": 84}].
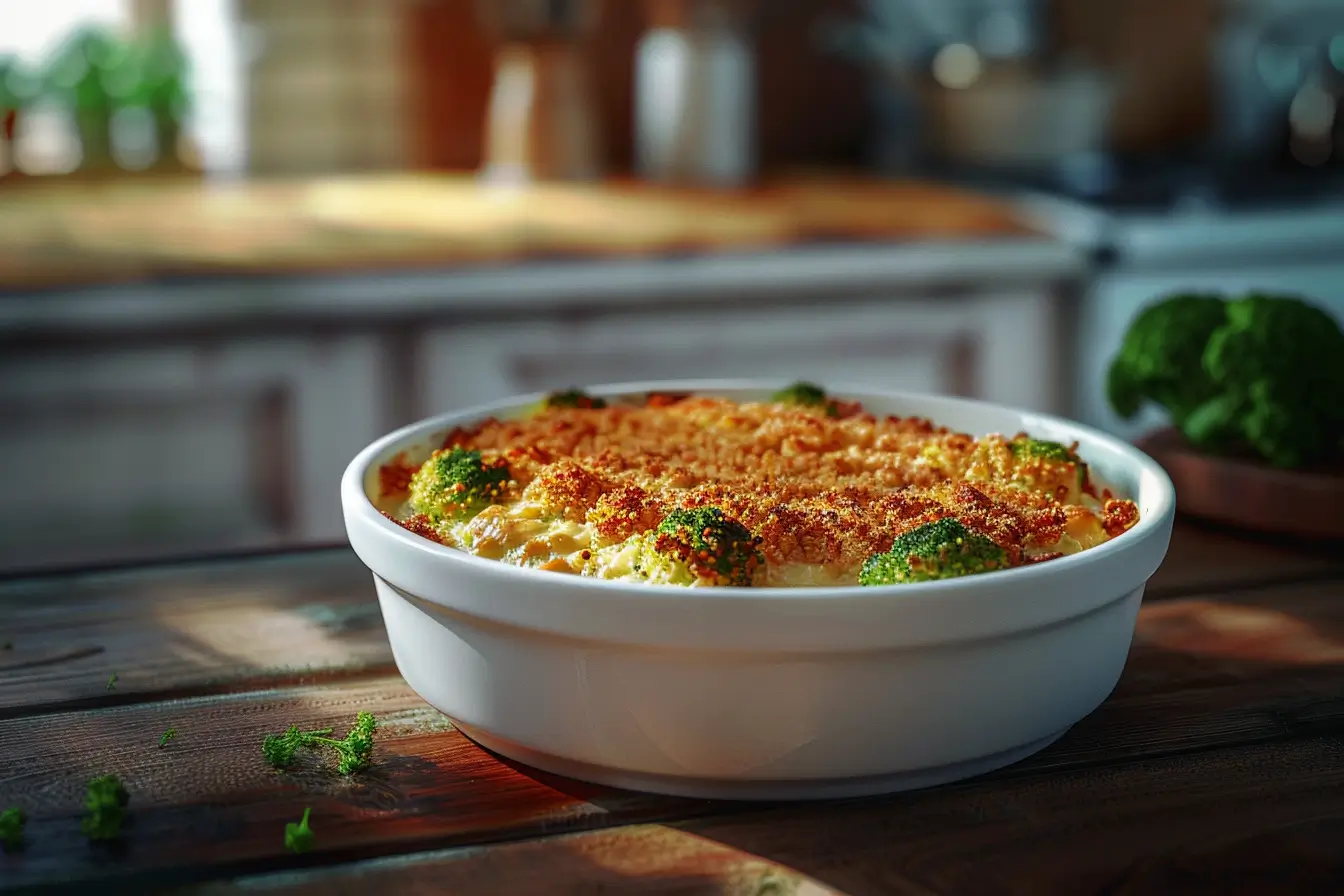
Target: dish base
[{"x": 754, "y": 790}]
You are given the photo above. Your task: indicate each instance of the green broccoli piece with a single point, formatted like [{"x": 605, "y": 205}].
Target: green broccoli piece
[
  {"x": 1043, "y": 449},
  {"x": 105, "y": 808},
  {"x": 456, "y": 482},
  {"x": 12, "y": 821},
  {"x": 807, "y": 395},
  {"x": 1278, "y": 363},
  {"x": 167, "y": 736},
  {"x": 354, "y": 751},
  {"x": 1050, "y": 453},
  {"x": 943, "y": 549},
  {"x": 1161, "y": 357},
  {"x": 701, "y": 544},
  {"x": 299, "y": 837},
  {"x": 572, "y": 398}
]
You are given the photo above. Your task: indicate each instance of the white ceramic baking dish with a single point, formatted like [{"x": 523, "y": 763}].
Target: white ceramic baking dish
[{"x": 765, "y": 693}]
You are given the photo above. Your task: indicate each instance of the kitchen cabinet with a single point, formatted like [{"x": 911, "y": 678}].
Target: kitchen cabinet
[
  {"x": 194, "y": 445},
  {"x": 1001, "y": 347}
]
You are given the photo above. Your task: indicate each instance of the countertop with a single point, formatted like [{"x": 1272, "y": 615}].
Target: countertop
[
  {"x": 60, "y": 235},
  {"x": 1214, "y": 767}
]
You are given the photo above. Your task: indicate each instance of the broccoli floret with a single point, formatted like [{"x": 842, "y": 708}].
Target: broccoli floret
[
  {"x": 943, "y": 549},
  {"x": 1278, "y": 363},
  {"x": 456, "y": 482},
  {"x": 1043, "y": 449},
  {"x": 105, "y": 805},
  {"x": 1046, "y": 457},
  {"x": 572, "y": 398},
  {"x": 12, "y": 821},
  {"x": 699, "y": 545},
  {"x": 806, "y": 395},
  {"x": 300, "y": 837},
  {"x": 1161, "y": 358}
]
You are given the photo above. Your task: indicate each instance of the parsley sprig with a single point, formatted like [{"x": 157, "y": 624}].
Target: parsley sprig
[
  {"x": 12, "y": 821},
  {"x": 354, "y": 751}
]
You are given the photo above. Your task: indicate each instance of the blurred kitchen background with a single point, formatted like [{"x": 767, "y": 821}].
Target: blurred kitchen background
[{"x": 239, "y": 239}]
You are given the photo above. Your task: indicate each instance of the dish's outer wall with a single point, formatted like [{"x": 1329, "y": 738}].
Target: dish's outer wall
[
  {"x": 801, "y": 620},
  {"x": 710, "y": 724}
]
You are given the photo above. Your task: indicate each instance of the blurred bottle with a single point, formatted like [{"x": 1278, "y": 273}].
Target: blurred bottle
[
  {"x": 695, "y": 94},
  {"x": 541, "y": 119}
]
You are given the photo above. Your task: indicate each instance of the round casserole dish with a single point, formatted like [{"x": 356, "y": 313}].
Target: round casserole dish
[{"x": 765, "y": 693}]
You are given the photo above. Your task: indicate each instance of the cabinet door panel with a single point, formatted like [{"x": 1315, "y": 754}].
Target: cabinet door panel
[
  {"x": 995, "y": 347},
  {"x": 118, "y": 453}
]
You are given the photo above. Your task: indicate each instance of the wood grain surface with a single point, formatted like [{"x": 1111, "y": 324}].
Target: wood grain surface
[
  {"x": 1191, "y": 824},
  {"x": 1217, "y": 759}
]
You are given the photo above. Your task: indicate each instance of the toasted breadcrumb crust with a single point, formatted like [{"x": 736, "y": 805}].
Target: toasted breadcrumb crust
[{"x": 816, "y": 487}]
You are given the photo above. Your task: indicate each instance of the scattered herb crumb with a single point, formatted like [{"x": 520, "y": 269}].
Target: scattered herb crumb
[
  {"x": 354, "y": 751},
  {"x": 105, "y": 805},
  {"x": 299, "y": 837},
  {"x": 12, "y": 821},
  {"x": 112, "y": 682},
  {"x": 8, "y": 645},
  {"x": 167, "y": 736}
]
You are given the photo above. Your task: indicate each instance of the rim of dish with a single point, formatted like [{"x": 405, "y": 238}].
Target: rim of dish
[{"x": 352, "y": 486}]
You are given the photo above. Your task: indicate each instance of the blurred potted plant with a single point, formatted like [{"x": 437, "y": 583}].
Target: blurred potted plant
[
  {"x": 161, "y": 88},
  {"x": 78, "y": 77},
  {"x": 18, "y": 88},
  {"x": 1254, "y": 387}
]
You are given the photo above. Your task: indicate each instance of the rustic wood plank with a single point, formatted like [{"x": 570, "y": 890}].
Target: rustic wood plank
[
  {"x": 1234, "y": 638},
  {"x": 647, "y": 859},
  {"x": 208, "y": 806},
  {"x": 1212, "y": 823},
  {"x": 188, "y": 629},
  {"x": 1205, "y": 558},
  {"x": 211, "y": 627},
  {"x": 1263, "y": 819}
]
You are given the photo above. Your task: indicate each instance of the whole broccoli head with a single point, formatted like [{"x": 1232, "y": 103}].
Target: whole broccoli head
[
  {"x": 572, "y": 398},
  {"x": 1161, "y": 358},
  {"x": 456, "y": 482},
  {"x": 1278, "y": 363},
  {"x": 943, "y": 549},
  {"x": 806, "y": 395},
  {"x": 701, "y": 544}
]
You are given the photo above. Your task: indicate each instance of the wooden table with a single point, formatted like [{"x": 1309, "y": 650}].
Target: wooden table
[{"x": 1216, "y": 767}]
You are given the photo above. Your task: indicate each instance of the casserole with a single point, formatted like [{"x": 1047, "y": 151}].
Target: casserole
[{"x": 764, "y": 693}]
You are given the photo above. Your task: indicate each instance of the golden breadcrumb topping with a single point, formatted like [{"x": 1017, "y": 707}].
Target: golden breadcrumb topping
[{"x": 826, "y": 486}]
